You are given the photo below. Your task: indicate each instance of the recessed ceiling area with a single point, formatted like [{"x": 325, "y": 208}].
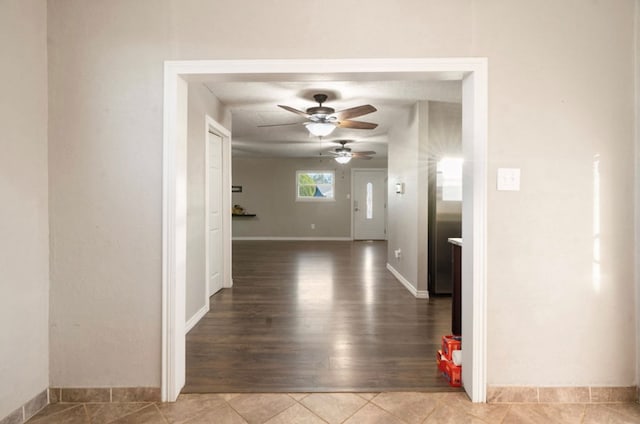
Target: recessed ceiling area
[{"x": 253, "y": 104}]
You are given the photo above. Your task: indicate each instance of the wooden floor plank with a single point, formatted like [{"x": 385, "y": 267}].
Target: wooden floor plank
[{"x": 316, "y": 317}]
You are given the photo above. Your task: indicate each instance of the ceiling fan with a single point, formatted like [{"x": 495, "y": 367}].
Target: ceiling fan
[
  {"x": 344, "y": 154},
  {"x": 322, "y": 120}
]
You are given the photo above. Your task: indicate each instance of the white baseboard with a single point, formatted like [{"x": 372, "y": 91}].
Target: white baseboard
[
  {"x": 196, "y": 317},
  {"x": 294, "y": 238},
  {"x": 420, "y": 294}
]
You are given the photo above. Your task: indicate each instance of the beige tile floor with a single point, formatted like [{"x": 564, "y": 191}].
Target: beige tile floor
[{"x": 322, "y": 408}]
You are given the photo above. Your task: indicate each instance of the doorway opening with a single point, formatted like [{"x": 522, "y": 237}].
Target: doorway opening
[{"x": 472, "y": 72}]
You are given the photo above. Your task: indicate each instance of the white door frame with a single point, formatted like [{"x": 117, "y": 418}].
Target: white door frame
[
  {"x": 214, "y": 127},
  {"x": 474, "y": 74},
  {"x": 353, "y": 173}
]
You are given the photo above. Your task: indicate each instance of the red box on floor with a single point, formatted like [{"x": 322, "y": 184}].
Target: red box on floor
[
  {"x": 453, "y": 374},
  {"x": 449, "y": 344}
]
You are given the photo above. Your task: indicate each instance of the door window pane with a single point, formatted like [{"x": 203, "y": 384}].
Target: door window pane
[{"x": 369, "y": 200}]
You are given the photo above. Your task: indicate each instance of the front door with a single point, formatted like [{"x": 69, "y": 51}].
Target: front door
[
  {"x": 214, "y": 225},
  {"x": 369, "y": 204}
]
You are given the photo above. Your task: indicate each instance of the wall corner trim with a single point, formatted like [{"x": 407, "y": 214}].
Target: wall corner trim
[
  {"x": 561, "y": 394},
  {"x": 420, "y": 294},
  {"x": 28, "y": 409},
  {"x": 191, "y": 322}
]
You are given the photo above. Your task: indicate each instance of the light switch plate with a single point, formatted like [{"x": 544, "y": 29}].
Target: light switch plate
[{"x": 509, "y": 179}]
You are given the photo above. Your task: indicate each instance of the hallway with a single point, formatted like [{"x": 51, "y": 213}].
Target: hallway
[{"x": 316, "y": 317}]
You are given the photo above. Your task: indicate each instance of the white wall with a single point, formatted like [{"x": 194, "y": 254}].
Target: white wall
[
  {"x": 445, "y": 129},
  {"x": 269, "y": 190},
  {"x": 404, "y": 145},
  {"x": 24, "y": 228},
  {"x": 201, "y": 103},
  {"x": 557, "y": 97},
  {"x": 422, "y": 214}
]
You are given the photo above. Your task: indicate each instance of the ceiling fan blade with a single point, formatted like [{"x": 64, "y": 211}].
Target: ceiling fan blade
[
  {"x": 296, "y": 111},
  {"x": 368, "y": 152},
  {"x": 360, "y": 125},
  {"x": 361, "y": 157},
  {"x": 354, "y": 112},
  {"x": 280, "y": 125}
]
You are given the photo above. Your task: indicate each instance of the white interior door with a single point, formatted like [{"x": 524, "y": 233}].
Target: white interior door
[
  {"x": 369, "y": 204},
  {"x": 214, "y": 218}
]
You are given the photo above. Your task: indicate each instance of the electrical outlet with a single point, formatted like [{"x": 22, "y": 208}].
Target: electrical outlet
[{"x": 398, "y": 253}]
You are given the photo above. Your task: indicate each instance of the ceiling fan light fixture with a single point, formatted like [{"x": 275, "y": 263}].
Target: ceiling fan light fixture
[
  {"x": 320, "y": 129},
  {"x": 342, "y": 159}
]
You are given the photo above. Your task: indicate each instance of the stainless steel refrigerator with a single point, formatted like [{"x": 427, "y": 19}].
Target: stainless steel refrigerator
[{"x": 445, "y": 221}]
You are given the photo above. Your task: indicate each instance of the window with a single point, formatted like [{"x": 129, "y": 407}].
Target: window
[
  {"x": 369, "y": 200},
  {"x": 449, "y": 179},
  {"x": 315, "y": 185}
]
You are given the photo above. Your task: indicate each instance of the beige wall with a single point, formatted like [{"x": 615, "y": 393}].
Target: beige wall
[
  {"x": 557, "y": 98},
  {"x": 560, "y": 91},
  {"x": 201, "y": 104},
  {"x": 24, "y": 228},
  {"x": 105, "y": 177},
  {"x": 269, "y": 190},
  {"x": 637, "y": 196}
]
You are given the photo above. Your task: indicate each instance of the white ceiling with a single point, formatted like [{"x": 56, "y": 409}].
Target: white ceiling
[{"x": 255, "y": 103}]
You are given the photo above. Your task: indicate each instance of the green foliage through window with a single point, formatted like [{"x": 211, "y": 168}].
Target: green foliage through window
[{"x": 315, "y": 185}]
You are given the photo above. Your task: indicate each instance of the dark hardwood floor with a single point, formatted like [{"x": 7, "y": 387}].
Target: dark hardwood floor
[{"x": 316, "y": 317}]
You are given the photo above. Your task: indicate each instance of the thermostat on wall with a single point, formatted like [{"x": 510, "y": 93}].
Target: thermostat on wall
[{"x": 508, "y": 179}]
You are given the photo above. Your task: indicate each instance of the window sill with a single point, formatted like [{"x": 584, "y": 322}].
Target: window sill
[{"x": 317, "y": 199}]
